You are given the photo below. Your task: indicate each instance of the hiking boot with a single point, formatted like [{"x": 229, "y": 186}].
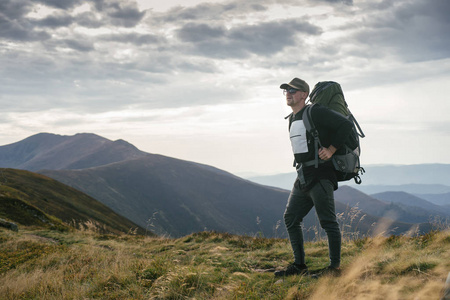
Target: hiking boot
[
  {"x": 328, "y": 271},
  {"x": 292, "y": 269}
]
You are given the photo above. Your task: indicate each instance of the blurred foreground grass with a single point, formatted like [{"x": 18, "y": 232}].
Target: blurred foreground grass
[{"x": 46, "y": 264}]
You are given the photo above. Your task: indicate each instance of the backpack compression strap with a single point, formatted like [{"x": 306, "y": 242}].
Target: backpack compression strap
[{"x": 352, "y": 118}]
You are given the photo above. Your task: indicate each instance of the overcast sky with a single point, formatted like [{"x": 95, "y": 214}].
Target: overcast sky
[{"x": 200, "y": 80}]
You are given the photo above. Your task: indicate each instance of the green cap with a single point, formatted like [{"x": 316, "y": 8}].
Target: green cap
[{"x": 296, "y": 83}]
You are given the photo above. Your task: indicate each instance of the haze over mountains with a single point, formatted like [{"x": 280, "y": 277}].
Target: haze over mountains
[
  {"x": 175, "y": 197},
  {"x": 429, "y": 182}
]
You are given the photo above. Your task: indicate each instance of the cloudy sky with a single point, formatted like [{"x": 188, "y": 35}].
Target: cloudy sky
[{"x": 200, "y": 80}]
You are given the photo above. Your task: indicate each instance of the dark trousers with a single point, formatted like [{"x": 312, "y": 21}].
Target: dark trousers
[{"x": 300, "y": 203}]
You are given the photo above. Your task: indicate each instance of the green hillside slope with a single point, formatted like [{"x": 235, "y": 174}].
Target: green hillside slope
[{"x": 33, "y": 199}]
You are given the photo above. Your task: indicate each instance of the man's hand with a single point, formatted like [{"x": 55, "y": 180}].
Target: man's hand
[{"x": 326, "y": 153}]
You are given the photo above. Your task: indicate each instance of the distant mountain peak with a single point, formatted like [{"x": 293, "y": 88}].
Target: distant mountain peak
[
  {"x": 56, "y": 152},
  {"x": 124, "y": 143}
]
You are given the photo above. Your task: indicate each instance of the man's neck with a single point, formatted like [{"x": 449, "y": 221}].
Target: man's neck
[{"x": 298, "y": 108}]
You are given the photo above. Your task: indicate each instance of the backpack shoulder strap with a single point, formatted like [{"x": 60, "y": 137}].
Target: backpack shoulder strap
[
  {"x": 307, "y": 119},
  {"x": 311, "y": 128}
]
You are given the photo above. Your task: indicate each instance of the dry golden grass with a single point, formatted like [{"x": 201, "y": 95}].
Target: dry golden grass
[
  {"x": 393, "y": 268},
  {"x": 83, "y": 264}
]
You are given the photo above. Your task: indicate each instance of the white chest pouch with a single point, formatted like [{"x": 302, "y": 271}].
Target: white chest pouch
[{"x": 297, "y": 134}]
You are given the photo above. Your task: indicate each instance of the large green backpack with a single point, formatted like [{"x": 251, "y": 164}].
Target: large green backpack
[
  {"x": 329, "y": 94},
  {"x": 346, "y": 160}
]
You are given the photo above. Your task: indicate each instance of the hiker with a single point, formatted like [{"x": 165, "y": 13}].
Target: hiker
[{"x": 315, "y": 184}]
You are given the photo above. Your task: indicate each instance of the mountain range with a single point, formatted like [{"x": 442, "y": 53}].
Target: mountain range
[
  {"x": 398, "y": 206},
  {"x": 430, "y": 182},
  {"x": 406, "y": 201},
  {"x": 174, "y": 197}
]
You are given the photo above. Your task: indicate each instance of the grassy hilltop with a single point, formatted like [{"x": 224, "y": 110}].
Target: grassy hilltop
[
  {"x": 74, "y": 264},
  {"x": 32, "y": 199}
]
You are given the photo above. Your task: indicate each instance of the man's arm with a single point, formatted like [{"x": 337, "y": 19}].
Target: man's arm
[
  {"x": 326, "y": 153},
  {"x": 336, "y": 123}
]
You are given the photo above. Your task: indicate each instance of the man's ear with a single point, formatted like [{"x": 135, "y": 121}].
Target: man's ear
[{"x": 305, "y": 95}]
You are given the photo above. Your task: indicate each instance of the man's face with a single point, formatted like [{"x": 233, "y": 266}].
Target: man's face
[{"x": 294, "y": 96}]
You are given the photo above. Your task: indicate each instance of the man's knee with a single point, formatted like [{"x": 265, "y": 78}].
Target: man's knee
[
  {"x": 291, "y": 220},
  {"x": 330, "y": 226},
  {"x": 287, "y": 219}
]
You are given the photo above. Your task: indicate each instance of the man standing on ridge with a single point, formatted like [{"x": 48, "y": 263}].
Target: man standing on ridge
[{"x": 315, "y": 185}]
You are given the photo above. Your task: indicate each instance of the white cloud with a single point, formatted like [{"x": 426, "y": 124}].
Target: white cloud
[{"x": 200, "y": 80}]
